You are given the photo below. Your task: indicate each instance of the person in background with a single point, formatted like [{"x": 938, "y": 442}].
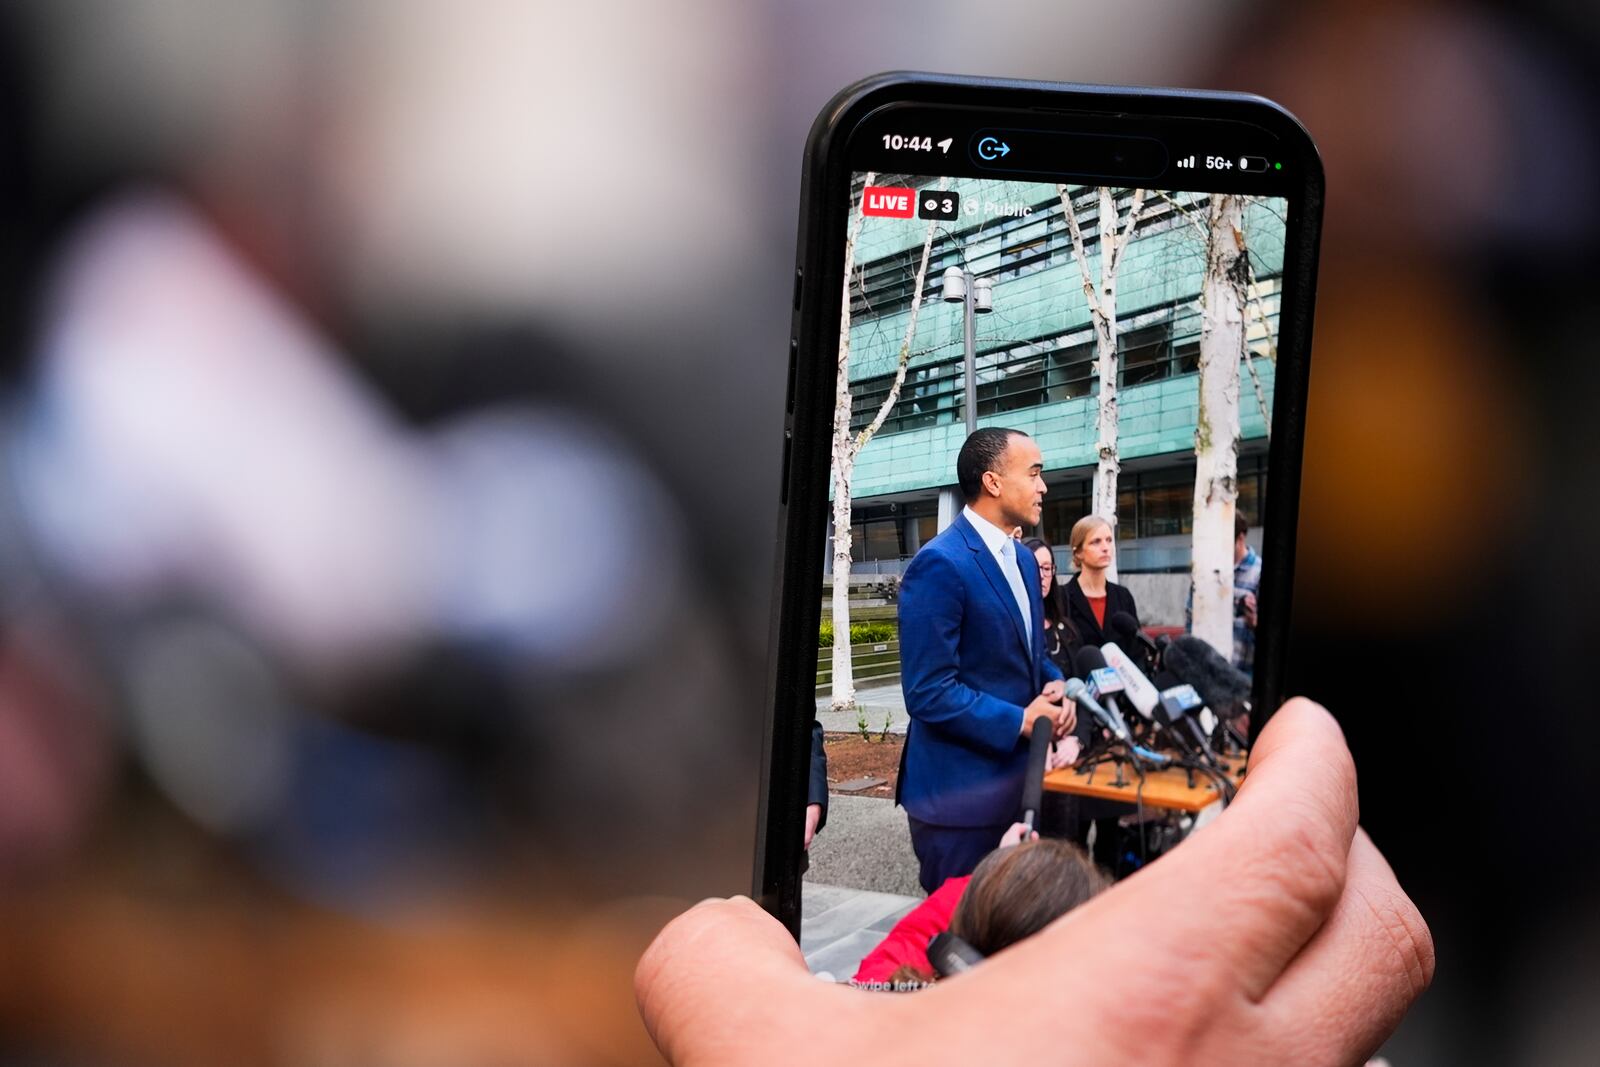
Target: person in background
[
  {"x": 1061, "y": 643},
  {"x": 1246, "y": 580},
  {"x": 817, "y": 787},
  {"x": 1061, "y": 640},
  {"x": 1091, "y": 599}
]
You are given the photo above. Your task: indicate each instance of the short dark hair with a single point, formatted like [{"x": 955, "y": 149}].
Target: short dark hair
[
  {"x": 981, "y": 452},
  {"x": 1241, "y": 525}
]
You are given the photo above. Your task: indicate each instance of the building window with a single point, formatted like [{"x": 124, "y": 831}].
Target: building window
[
  {"x": 1072, "y": 372},
  {"x": 1024, "y": 258},
  {"x": 891, "y": 531},
  {"x": 1064, "y": 504},
  {"x": 1252, "y": 486},
  {"x": 1142, "y": 353},
  {"x": 1014, "y": 379},
  {"x": 930, "y": 396}
]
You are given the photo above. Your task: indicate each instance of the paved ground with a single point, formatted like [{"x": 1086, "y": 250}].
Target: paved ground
[
  {"x": 839, "y": 926},
  {"x": 863, "y": 874},
  {"x": 865, "y": 845},
  {"x": 878, "y": 702},
  {"x": 863, "y": 878}
]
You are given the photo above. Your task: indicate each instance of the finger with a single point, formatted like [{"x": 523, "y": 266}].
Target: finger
[
  {"x": 682, "y": 977},
  {"x": 707, "y": 985},
  {"x": 1233, "y": 905},
  {"x": 1275, "y": 860},
  {"x": 1346, "y": 992}
]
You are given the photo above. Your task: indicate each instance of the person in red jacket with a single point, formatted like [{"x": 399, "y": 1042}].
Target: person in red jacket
[{"x": 1015, "y": 891}]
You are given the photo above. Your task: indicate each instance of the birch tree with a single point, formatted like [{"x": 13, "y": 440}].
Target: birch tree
[
  {"x": 1254, "y": 303},
  {"x": 1216, "y": 436},
  {"x": 847, "y": 446},
  {"x": 1101, "y": 296}
]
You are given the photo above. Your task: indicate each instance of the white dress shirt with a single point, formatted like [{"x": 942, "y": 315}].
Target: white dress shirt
[{"x": 1004, "y": 548}]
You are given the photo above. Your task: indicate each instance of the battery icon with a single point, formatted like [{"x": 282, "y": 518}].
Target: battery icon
[{"x": 1252, "y": 164}]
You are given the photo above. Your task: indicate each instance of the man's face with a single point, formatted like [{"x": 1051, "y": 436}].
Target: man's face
[
  {"x": 1019, "y": 482},
  {"x": 1239, "y": 549}
]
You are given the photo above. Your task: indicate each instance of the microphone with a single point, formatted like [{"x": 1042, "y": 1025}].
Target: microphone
[
  {"x": 1223, "y": 687},
  {"x": 1148, "y": 699},
  {"x": 951, "y": 955},
  {"x": 1157, "y": 760},
  {"x": 1033, "y": 777},
  {"x": 1104, "y": 684},
  {"x": 1141, "y": 693},
  {"x": 1178, "y": 700},
  {"x": 1126, "y": 627},
  {"x": 1084, "y": 699}
]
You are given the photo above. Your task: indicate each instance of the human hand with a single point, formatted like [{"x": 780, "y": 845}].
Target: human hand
[
  {"x": 1013, "y": 835},
  {"x": 1277, "y": 935},
  {"x": 813, "y": 817},
  {"x": 1248, "y": 601},
  {"x": 1054, "y": 690},
  {"x": 1064, "y": 753},
  {"x": 1069, "y": 718},
  {"x": 1041, "y": 706}
]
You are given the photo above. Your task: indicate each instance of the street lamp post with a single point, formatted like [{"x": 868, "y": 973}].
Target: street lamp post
[{"x": 976, "y": 297}]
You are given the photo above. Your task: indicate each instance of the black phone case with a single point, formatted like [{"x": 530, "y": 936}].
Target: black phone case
[{"x": 808, "y": 409}]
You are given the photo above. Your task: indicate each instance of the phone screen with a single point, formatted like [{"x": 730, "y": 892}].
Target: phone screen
[
  {"x": 1026, "y": 353},
  {"x": 1056, "y": 395}
]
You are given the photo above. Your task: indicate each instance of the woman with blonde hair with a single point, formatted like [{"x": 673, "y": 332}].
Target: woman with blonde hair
[{"x": 1092, "y": 601}]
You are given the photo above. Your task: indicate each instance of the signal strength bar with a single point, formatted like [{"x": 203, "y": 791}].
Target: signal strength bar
[{"x": 1189, "y": 162}]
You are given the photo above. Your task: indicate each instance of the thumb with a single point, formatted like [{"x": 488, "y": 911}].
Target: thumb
[{"x": 710, "y": 979}]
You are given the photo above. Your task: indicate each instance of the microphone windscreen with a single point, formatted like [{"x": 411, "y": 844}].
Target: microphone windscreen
[
  {"x": 1125, "y": 626},
  {"x": 1038, "y": 752},
  {"x": 1220, "y": 684},
  {"x": 1088, "y": 658}
]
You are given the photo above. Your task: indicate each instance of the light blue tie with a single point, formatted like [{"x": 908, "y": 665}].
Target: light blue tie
[{"x": 1008, "y": 566}]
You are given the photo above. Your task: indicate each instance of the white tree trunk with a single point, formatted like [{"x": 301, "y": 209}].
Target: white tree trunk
[
  {"x": 1108, "y": 419},
  {"x": 844, "y": 683},
  {"x": 846, "y": 448},
  {"x": 1102, "y": 300},
  {"x": 1216, "y": 436}
]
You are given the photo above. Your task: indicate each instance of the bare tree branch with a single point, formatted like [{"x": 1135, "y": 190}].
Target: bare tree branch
[
  {"x": 1188, "y": 216},
  {"x": 1121, "y": 242},
  {"x": 1082, "y": 257},
  {"x": 905, "y": 346}
]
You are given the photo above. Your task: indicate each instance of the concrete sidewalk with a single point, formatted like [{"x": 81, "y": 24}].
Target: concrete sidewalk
[
  {"x": 879, "y": 702},
  {"x": 863, "y": 878},
  {"x": 839, "y": 926}
]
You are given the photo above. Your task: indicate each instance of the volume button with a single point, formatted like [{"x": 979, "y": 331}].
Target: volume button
[
  {"x": 783, "y": 486},
  {"x": 799, "y": 280},
  {"x": 794, "y": 360}
]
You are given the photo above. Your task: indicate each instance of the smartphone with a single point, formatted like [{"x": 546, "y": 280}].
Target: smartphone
[{"x": 1077, "y": 317}]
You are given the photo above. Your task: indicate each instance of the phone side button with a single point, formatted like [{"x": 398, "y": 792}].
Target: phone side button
[
  {"x": 799, "y": 280},
  {"x": 783, "y": 486},
  {"x": 794, "y": 360}
]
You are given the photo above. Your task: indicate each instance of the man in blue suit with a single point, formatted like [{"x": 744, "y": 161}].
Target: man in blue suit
[{"x": 973, "y": 663}]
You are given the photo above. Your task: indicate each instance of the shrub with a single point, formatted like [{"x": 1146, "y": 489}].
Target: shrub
[{"x": 861, "y": 633}]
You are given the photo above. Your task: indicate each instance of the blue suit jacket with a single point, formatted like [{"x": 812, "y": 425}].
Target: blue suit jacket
[{"x": 967, "y": 671}]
